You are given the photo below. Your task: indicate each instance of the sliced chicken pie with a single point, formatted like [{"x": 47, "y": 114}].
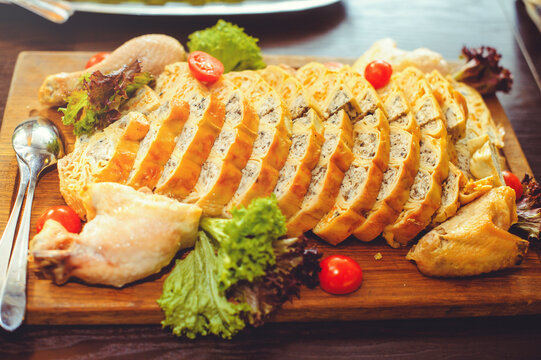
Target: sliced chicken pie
[
  {"x": 106, "y": 155},
  {"x": 403, "y": 165},
  {"x": 271, "y": 147},
  {"x": 193, "y": 145},
  {"x": 222, "y": 171}
]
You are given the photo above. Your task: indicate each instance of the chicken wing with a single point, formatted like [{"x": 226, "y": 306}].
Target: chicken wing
[{"x": 474, "y": 241}]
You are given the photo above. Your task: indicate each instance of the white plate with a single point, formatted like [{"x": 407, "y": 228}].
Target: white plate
[{"x": 181, "y": 8}]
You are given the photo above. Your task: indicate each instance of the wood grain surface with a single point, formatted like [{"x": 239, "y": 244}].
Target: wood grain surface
[
  {"x": 392, "y": 288},
  {"x": 345, "y": 29}
]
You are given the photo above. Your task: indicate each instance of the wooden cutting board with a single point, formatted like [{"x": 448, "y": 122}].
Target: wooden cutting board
[{"x": 392, "y": 287}]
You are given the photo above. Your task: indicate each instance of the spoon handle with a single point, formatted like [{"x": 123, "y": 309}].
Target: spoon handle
[
  {"x": 6, "y": 242},
  {"x": 13, "y": 292}
]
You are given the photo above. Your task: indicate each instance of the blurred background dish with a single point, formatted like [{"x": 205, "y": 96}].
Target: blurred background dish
[{"x": 196, "y": 7}]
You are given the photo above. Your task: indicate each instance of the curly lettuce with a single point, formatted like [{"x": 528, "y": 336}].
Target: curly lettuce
[
  {"x": 192, "y": 303},
  {"x": 230, "y": 44},
  {"x": 97, "y": 103},
  {"x": 246, "y": 240},
  {"x": 482, "y": 70},
  {"x": 240, "y": 272},
  {"x": 528, "y": 225}
]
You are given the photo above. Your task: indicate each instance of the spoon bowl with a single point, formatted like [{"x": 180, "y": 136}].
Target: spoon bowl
[
  {"x": 37, "y": 142},
  {"x": 38, "y": 145}
]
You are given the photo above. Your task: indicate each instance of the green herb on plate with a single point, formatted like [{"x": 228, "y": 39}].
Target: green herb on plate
[{"x": 229, "y": 44}]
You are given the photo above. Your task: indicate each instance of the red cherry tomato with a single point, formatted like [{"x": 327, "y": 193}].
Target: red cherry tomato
[
  {"x": 340, "y": 274},
  {"x": 378, "y": 73},
  {"x": 205, "y": 67},
  {"x": 513, "y": 182},
  {"x": 97, "y": 58},
  {"x": 64, "y": 215}
]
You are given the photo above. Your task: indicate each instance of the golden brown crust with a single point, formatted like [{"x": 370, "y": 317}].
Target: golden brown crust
[
  {"x": 328, "y": 90},
  {"x": 290, "y": 200},
  {"x": 371, "y": 156},
  {"x": 261, "y": 186},
  {"x": 148, "y": 168},
  {"x": 222, "y": 172},
  {"x": 294, "y": 95},
  {"x": 312, "y": 211},
  {"x": 423, "y": 103},
  {"x": 365, "y": 94},
  {"x": 271, "y": 147},
  {"x": 474, "y": 241},
  {"x": 212, "y": 199},
  {"x": 180, "y": 182},
  {"x": 338, "y": 224},
  {"x": 452, "y": 104},
  {"x": 335, "y": 159},
  {"x": 106, "y": 155},
  {"x": 291, "y": 193},
  {"x": 426, "y": 191},
  {"x": 388, "y": 206},
  {"x": 415, "y": 216},
  {"x": 119, "y": 166},
  {"x": 450, "y": 195}
]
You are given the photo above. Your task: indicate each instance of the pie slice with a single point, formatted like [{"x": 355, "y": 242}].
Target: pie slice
[
  {"x": 361, "y": 182},
  {"x": 222, "y": 172},
  {"x": 295, "y": 175},
  {"x": 106, "y": 155},
  {"x": 166, "y": 123},
  {"x": 426, "y": 191},
  {"x": 271, "y": 147},
  {"x": 335, "y": 159}
]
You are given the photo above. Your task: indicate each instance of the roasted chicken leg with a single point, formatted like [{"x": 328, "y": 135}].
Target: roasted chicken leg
[
  {"x": 154, "y": 51},
  {"x": 130, "y": 235}
]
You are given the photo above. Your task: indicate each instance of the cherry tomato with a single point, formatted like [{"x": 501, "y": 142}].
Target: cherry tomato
[
  {"x": 378, "y": 73},
  {"x": 97, "y": 58},
  {"x": 205, "y": 67},
  {"x": 513, "y": 182},
  {"x": 64, "y": 215},
  {"x": 340, "y": 274}
]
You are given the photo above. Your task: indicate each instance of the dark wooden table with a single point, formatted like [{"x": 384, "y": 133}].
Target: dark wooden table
[{"x": 345, "y": 29}]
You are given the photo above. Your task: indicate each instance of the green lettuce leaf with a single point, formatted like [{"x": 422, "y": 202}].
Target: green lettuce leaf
[
  {"x": 246, "y": 240},
  {"x": 229, "y": 44},
  {"x": 191, "y": 300},
  {"x": 97, "y": 103},
  {"x": 240, "y": 272}
]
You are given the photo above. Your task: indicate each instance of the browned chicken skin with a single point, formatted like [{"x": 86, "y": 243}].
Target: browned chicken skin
[{"x": 475, "y": 241}]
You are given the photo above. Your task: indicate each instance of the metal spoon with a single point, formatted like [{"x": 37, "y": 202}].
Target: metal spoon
[
  {"x": 57, "y": 11},
  {"x": 38, "y": 144},
  {"x": 6, "y": 242}
]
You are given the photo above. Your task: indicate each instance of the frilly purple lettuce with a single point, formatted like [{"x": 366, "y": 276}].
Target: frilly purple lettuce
[
  {"x": 483, "y": 72},
  {"x": 529, "y": 211},
  {"x": 97, "y": 103}
]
